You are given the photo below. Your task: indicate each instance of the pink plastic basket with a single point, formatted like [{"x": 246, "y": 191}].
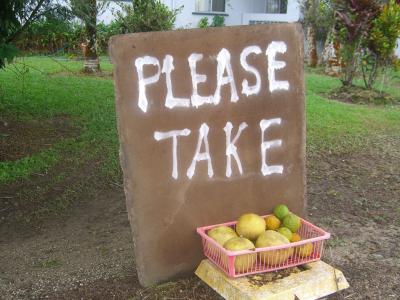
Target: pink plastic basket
[{"x": 260, "y": 260}]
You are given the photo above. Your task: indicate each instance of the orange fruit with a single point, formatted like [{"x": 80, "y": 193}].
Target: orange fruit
[
  {"x": 295, "y": 237},
  {"x": 272, "y": 222}
]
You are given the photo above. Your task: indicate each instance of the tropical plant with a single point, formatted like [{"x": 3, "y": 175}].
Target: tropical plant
[
  {"x": 354, "y": 19},
  {"x": 381, "y": 42}
]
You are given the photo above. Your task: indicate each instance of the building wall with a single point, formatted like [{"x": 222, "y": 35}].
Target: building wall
[{"x": 237, "y": 12}]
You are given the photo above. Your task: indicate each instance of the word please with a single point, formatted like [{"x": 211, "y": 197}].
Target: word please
[
  {"x": 225, "y": 76},
  {"x": 231, "y": 149}
]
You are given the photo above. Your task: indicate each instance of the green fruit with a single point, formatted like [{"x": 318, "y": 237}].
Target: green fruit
[
  {"x": 285, "y": 232},
  {"x": 242, "y": 262},
  {"x": 250, "y": 226},
  {"x": 272, "y": 238},
  {"x": 292, "y": 222},
  {"x": 222, "y": 234},
  {"x": 280, "y": 211}
]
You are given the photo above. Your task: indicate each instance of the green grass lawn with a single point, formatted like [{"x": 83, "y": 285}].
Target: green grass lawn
[{"x": 40, "y": 87}]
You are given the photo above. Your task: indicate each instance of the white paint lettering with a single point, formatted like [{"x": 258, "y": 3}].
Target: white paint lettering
[
  {"x": 203, "y": 138},
  {"x": 158, "y": 136},
  {"x": 170, "y": 100},
  {"x": 231, "y": 149},
  {"x": 139, "y": 63},
  {"x": 197, "y": 100},
  {"x": 254, "y": 89},
  {"x": 265, "y": 145},
  {"x": 272, "y": 50},
  {"x": 224, "y": 63}
]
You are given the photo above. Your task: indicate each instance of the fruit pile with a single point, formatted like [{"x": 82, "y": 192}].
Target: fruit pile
[{"x": 253, "y": 231}]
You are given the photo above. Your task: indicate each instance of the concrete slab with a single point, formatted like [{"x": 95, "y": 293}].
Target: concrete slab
[{"x": 309, "y": 282}]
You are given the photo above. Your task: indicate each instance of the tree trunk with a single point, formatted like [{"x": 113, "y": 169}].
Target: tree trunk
[
  {"x": 312, "y": 47},
  {"x": 91, "y": 64},
  {"x": 331, "y": 55}
]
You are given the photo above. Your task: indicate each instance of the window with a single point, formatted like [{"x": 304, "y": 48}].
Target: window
[
  {"x": 210, "y": 5},
  {"x": 276, "y": 6}
]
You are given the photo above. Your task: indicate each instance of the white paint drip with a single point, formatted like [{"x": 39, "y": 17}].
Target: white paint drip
[
  {"x": 272, "y": 50},
  {"x": 170, "y": 100},
  {"x": 203, "y": 137},
  {"x": 139, "y": 63},
  {"x": 196, "y": 99},
  {"x": 265, "y": 169},
  {"x": 224, "y": 63},
  {"x": 158, "y": 136},
  {"x": 254, "y": 89},
  {"x": 231, "y": 149}
]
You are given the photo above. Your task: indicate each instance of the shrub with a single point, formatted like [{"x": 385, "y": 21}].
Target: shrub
[
  {"x": 144, "y": 16},
  {"x": 381, "y": 42},
  {"x": 218, "y": 21},
  {"x": 354, "y": 21},
  {"x": 203, "y": 23}
]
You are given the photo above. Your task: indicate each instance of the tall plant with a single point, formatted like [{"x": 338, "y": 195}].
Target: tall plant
[
  {"x": 87, "y": 11},
  {"x": 354, "y": 20},
  {"x": 318, "y": 19},
  {"x": 381, "y": 42}
]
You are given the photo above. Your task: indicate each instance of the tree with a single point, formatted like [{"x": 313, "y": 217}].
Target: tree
[
  {"x": 87, "y": 11},
  {"x": 318, "y": 19},
  {"x": 146, "y": 15},
  {"x": 15, "y": 17},
  {"x": 354, "y": 21}
]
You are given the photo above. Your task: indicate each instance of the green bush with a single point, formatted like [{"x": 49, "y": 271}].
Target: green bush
[
  {"x": 218, "y": 21},
  {"x": 144, "y": 16},
  {"x": 381, "y": 42},
  {"x": 203, "y": 23}
]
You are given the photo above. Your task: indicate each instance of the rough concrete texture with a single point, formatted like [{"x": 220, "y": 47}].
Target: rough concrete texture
[{"x": 316, "y": 280}]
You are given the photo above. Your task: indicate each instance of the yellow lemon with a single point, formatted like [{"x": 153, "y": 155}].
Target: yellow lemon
[{"x": 305, "y": 250}]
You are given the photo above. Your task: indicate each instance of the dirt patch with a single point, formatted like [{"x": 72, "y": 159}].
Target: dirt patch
[
  {"x": 359, "y": 95},
  {"x": 19, "y": 139},
  {"x": 355, "y": 197}
]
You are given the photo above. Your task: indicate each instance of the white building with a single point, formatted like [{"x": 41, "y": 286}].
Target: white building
[{"x": 235, "y": 12}]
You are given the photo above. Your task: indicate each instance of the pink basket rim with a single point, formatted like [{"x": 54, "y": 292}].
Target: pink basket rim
[{"x": 202, "y": 232}]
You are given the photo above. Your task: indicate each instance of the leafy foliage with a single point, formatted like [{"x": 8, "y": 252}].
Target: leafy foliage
[
  {"x": 381, "y": 42},
  {"x": 203, "y": 23},
  {"x": 354, "y": 21},
  {"x": 318, "y": 14},
  {"x": 144, "y": 16},
  {"x": 54, "y": 31},
  {"x": 15, "y": 17},
  {"x": 217, "y": 21}
]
